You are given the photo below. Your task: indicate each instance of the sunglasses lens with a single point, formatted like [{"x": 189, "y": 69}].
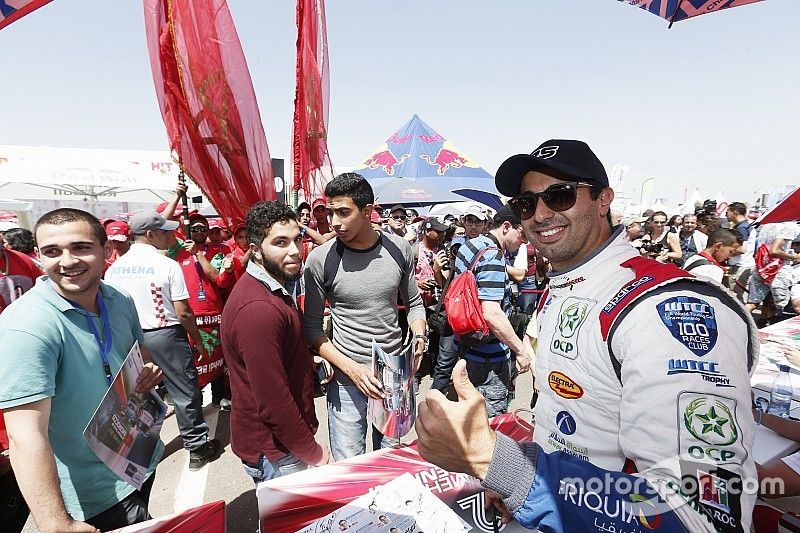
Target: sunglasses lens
[
  {"x": 560, "y": 197},
  {"x": 524, "y": 206}
]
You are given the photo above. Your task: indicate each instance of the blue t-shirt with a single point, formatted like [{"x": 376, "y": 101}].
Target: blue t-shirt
[
  {"x": 493, "y": 285},
  {"x": 47, "y": 350}
]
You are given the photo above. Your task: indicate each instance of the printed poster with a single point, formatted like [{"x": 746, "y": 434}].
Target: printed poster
[{"x": 124, "y": 430}]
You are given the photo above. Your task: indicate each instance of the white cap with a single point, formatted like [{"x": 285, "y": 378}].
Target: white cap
[{"x": 476, "y": 211}]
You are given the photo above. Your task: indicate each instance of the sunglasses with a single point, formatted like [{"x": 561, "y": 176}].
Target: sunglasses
[
  {"x": 559, "y": 197},
  {"x": 399, "y": 217}
]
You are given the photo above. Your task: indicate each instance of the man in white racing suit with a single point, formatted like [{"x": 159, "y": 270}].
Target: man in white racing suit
[{"x": 643, "y": 371}]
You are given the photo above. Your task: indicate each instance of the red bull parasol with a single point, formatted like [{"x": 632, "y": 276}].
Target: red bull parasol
[{"x": 417, "y": 165}]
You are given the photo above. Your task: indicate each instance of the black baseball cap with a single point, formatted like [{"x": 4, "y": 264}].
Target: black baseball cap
[
  {"x": 434, "y": 224},
  {"x": 398, "y": 207},
  {"x": 572, "y": 158},
  {"x": 506, "y": 214}
]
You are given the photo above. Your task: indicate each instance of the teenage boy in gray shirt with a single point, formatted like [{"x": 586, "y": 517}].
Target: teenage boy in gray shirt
[{"x": 360, "y": 273}]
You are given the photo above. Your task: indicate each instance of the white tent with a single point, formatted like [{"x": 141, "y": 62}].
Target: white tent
[
  {"x": 92, "y": 175},
  {"x": 687, "y": 208},
  {"x": 14, "y": 205},
  {"x": 103, "y": 182}
]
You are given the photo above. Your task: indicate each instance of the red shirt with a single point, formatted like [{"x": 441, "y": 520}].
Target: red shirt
[
  {"x": 18, "y": 273},
  {"x": 710, "y": 258},
  {"x": 237, "y": 256},
  {"x": 196, "y": 281},
  {"x": 271, "y": 373}
]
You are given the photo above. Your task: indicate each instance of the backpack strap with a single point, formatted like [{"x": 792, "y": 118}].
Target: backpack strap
[
  {"x": 700, "y": 262},
  {"x": 331, "y": 266},
  {"x": 395, "y": 252},
  {"x": 478, "y": 256},
  {"x": 335, "y": 254}
]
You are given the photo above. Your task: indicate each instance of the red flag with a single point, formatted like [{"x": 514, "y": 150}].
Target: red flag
[
  {"x": 208, "y": 104},
  {"x": 310, "y": 127},
  {"x": 11, "y": 10}
]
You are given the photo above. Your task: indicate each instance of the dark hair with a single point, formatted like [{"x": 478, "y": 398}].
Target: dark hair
[
  {"x": 672, "y": 219},
  {"x": 20, "y": 239},
  {"x": 353, "y": 186},
  {"x": 65, "y": 215},
  {"x": 724, "y": 236},
  {"x": 262, "y": 216},
  {"x": 710, "y": 224},
  {"x": 738, "y": 207},
  {"x": 303, "y": 205},
  {"x": 657, "y": 213}
]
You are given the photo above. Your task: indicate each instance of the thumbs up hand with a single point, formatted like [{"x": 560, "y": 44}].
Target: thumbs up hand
[{"x": 456, "y": 435}]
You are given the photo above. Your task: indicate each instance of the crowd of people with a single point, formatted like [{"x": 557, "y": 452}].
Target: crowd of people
[{"x": 270, "y": 310}]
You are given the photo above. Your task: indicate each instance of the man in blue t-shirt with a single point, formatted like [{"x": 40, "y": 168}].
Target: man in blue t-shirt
[
  {"x": 60, "y": 345},
  {"x": 489, "y": 364}
]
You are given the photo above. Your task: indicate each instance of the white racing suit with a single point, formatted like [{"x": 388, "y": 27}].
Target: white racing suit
[{"x": 641, "y": 368}]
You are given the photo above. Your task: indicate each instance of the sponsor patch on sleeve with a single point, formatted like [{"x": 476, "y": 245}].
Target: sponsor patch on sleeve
[
  {"x": 691, "y": 321},
  {"x": 708, "y": 430},
  {"x": 714, "y": 492}
]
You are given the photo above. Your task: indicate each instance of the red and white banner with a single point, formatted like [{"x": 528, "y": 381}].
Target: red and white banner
[
  {"x": 289, "y": 503},
  {"x": 310, "y": 126},
  {"x": 208, "y": 518},
  {"x": 11, "y": 10},
  {"x": 208, "y": 103}
]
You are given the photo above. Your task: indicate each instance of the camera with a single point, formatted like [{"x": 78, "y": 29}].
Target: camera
[{"x": 654, "y": 248}]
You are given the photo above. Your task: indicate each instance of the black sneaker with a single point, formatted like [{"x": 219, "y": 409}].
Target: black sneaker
[{"x": 204, "y": 454}]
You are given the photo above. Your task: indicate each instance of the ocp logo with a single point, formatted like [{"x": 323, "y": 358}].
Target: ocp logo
[
  {"x": 565, "y": 423},
  {"x": 711, "y": 421},
  {"x": 572, "y": 316}
]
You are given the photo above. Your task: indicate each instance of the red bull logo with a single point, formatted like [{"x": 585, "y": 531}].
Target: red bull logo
[
  {"x": 397, "y": 139},
  {"x": 427, "y": 139},
  {"x": 444, "y": 160},
  {"x": 385, "y": 159}
]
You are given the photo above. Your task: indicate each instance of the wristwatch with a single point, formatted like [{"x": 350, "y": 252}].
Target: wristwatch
[{"x": 423, "y": 337}]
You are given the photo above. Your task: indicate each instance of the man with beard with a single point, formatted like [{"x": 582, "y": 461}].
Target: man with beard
[
  {"x": 642, "y": 368},
  {"x": 270, "y": 366},
  {"x": 359, "y": 273}
]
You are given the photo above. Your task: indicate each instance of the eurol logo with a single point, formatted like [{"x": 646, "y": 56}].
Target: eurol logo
[{"x": 564, "y": 386}]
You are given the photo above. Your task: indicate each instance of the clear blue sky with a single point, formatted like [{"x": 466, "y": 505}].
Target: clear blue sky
[{"x": 712, "y": 102}]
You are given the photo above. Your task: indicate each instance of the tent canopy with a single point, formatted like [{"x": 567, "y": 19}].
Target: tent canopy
[
  {"x": 417, "y": 152},
  {"x": 120, "y": 175}
]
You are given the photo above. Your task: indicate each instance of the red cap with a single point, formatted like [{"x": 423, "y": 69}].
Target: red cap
[
  {"x": 118, "y": 231},
  {"x": 375, "y": 217},
  {"x": 163, "y": 205},
  {"x": 217, "y": 223},
  {"x": 318, "y": 202}
]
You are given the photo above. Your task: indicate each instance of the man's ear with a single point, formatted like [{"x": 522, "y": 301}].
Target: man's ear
[
  {"x": 606, "y": 197},
  {"x": 367, "y": 211},
  {"x": 255, "y": 251},
  {"x": 108, "y": 250}
]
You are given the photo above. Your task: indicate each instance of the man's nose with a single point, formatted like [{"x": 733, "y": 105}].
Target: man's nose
[{"x": 542, "y": 212}]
